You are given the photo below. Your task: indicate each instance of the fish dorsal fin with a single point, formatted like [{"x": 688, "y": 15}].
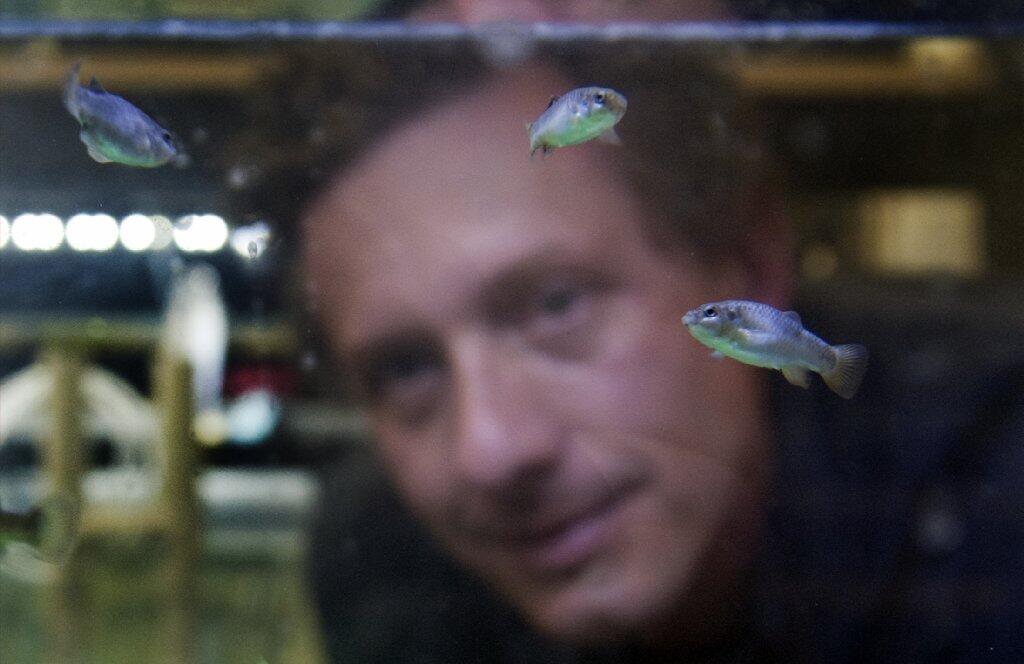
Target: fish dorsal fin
[
  {"x": 95, "y": 86},
  {"x": 793, "y": 316},
  {"x": 552, "y": 101}
]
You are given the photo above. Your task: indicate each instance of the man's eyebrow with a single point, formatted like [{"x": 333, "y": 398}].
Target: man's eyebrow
[
  {"x": 363, "y": 354},
  {"x": 523, "y": 272},
  {"x": 501, "y": 286},
  {"x": 360, "y": 351}
]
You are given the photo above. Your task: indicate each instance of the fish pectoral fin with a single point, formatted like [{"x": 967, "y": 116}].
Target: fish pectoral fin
[
  {"x": 797, "y": 376},
  {"x": 718, "y": 355},
  {"x": 753, "y": 339},
  {"x": 71, "y": 92},
  {"x": 97, "y": 155},
  {"x": 610, "y": 137}
]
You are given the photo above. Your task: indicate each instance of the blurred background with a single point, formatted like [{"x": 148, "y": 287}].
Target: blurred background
[{"x": 165, "y": 411}]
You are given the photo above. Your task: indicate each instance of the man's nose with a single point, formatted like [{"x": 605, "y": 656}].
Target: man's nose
[{"x": 504, "y": 434}]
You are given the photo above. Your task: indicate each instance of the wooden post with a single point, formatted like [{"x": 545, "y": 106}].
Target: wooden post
[
  {"x": 172, "y": 391},
  {"x": 63, "y": 460}
]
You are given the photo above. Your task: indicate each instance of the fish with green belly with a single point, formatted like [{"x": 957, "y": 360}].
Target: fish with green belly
[
  {"x": 763, "y": 336},
  {"x": 576, "y": 117},
  {"x": 112, "y": 129}
]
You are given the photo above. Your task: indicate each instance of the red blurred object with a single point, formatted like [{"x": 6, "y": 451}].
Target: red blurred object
[{"x": 279, "y": 379}]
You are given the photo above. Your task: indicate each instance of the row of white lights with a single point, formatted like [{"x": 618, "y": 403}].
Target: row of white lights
[{"x": 193, "y": 233}]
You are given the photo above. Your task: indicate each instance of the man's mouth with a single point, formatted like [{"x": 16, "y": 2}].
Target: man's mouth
[{"x": 571, "y": 541}]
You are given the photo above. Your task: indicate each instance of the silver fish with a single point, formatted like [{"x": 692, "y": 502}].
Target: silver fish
[
  {"x": 577, "y": 116},
  {"x": 763, "y": 336},
  {"x": 113, "y": 130}
]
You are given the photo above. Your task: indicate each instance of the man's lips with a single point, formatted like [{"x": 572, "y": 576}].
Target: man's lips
[
  {"x": 556, "y": 544},
  {"x": 541, "y": 533},
  {"x": 575, "y": 540}
]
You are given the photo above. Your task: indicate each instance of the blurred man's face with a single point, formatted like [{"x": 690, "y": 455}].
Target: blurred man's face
[{"x": 534, "y": 394}]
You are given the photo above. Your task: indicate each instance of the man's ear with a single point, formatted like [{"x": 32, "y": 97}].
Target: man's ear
[{"x": 768, "y": 247}]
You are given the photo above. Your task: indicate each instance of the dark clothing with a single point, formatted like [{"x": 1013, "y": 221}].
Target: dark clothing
[{"x": 896, "y": 534}]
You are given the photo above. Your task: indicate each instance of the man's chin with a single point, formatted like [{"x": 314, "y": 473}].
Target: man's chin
[
  {"x": 586, "y": 625},
  {"x": 596, "y": 610},
  {"x": 618, "y": 594}
]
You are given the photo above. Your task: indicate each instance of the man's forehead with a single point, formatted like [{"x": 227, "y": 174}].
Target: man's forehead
[
  {"x": 469, "y": 160},
  {"x": 432, "y": 274},
  {"x": 478, "y": 138},
  {"x": 448, "y": 200}
]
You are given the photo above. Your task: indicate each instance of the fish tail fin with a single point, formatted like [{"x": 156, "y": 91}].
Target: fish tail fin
[
  {"x": 846, "y": 375},
  {"x": 71, "y": 90}
]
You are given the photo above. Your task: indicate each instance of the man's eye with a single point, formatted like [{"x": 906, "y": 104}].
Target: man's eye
[
  {"x": 557, "y": 316},
  {"x": 559, "y": 300},
  {"x": 403, "y": 380},
  {"x": 403, "y": 367}
]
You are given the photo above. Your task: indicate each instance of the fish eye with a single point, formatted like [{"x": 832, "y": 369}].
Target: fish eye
[
  {"x": 599, "y": 98},
  {"x": 710, "y": 312},
  {"x": 166, "y": 136}
]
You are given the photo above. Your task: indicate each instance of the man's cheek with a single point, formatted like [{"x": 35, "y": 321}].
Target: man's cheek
[
  {"x": 644, "y": 398},
  {"x": 419, "y": 476}
]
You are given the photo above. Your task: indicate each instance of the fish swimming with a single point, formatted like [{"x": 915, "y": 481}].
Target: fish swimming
[
  {"x": 763, "y": 336},
  {"x": 113, "y": 130},
  {"x": 576, "y": 117}
]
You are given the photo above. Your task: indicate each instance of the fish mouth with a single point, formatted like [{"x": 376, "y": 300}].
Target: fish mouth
[{"x": 690, "y": 318}]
